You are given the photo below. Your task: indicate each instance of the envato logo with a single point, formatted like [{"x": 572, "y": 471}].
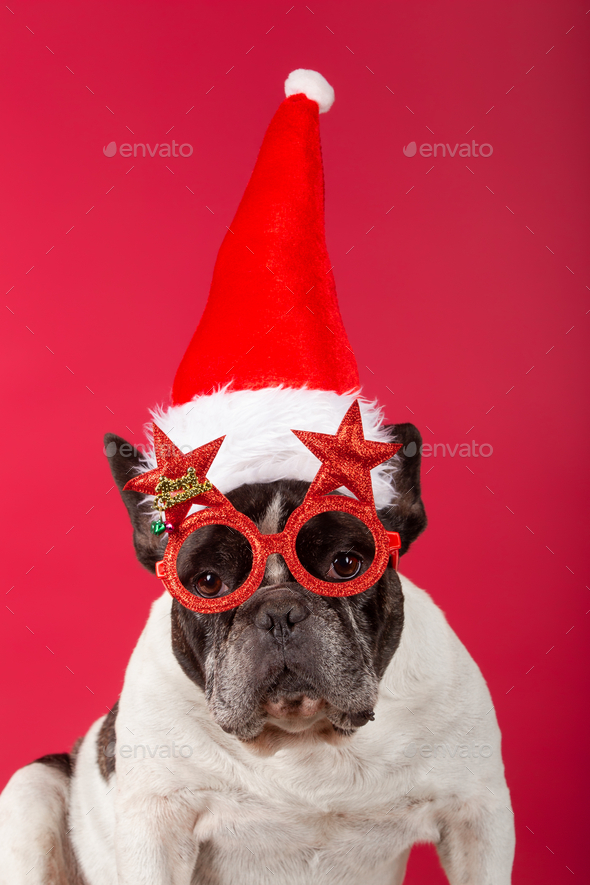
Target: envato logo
[
  {"x": 435, "y": 150},
  {"x": 145, "y": 751},
  {"x": 464, "y": 450},
  {"x": 427, "y": 450},
  {"x": 448, "y": 751},
  {"x": 162, "y": 150},
  {"x": 126, "y": 450}
]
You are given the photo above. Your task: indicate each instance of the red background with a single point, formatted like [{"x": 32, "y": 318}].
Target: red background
[{"x": 449, "y": 300}]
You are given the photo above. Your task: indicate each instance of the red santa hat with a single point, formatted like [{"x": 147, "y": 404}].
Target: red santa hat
[{"x": 270, "y": 352}]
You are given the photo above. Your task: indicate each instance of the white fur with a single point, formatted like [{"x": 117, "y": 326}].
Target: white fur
[
  {"x": 313, "y": 85},
  {"x": 93, "y": 823},
  {"x": 334, "y": 814},
  {"x": 259, "y": 445},
  {"x": 33, "y": 815}
]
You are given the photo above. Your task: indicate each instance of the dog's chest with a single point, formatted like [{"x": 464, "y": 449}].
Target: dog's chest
[{"x": 335, "y": 825}]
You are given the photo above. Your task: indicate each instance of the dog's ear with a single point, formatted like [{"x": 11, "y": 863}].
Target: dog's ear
[
  {"x": 124, "y": 461},
  {"x": 406, "y": 515}
]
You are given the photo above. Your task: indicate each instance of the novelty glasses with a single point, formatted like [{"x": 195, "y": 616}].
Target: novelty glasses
[{"x": 347, "y": 459}]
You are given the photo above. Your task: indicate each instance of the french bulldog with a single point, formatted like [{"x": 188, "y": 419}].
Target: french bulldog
[{"x": 296, "y": 738}]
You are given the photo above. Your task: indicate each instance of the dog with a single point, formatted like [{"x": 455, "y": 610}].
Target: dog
[{"x": 295, "y": 738}]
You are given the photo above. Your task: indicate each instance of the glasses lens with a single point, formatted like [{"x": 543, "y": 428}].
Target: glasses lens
[
  {"x": 335, "y": 547},
  {"x": 214, "y": 561}
]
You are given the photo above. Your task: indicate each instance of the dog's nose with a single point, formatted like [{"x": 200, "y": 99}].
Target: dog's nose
[{"x": 279, "y": 612}]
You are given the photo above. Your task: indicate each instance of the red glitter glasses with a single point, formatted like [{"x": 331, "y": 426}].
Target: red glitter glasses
[{"x": 347, "y": 459}]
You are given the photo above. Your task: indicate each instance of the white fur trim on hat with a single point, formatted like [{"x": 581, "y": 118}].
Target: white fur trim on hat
[
  {"x": 257, "y": 424},
  {"x": 313, "y": 85}
]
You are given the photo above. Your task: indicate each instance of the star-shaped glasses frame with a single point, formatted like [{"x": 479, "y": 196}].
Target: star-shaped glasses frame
[{"x": 347, "y": 459}]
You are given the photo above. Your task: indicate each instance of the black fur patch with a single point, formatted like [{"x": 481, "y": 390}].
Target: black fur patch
[
  {"x": 125, "y": 462},
  {"x": 106, "y": 742},
  {"x": 406, "y": 515},
  {"x": 186, "y": 645},
  {"x": 62, "y": 761}
]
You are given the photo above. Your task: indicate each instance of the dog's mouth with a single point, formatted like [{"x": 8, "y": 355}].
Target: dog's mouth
[
  {"x": 292, "y": 700},
  {"x": 294, "y": 706}
]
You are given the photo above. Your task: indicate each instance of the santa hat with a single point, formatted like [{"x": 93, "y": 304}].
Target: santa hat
[{"x": 270, "y": 353}]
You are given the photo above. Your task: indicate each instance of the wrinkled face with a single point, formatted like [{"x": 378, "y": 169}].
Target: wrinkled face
[{"x": 286, "y": 657}]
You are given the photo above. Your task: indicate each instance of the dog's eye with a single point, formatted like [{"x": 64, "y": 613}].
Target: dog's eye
[
  {"x": 209, "y": 584},
  {"x": 345, "y": 566}
]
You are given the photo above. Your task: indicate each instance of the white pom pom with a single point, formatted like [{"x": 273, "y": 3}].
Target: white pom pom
[{"x": 313, "y": 85}]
